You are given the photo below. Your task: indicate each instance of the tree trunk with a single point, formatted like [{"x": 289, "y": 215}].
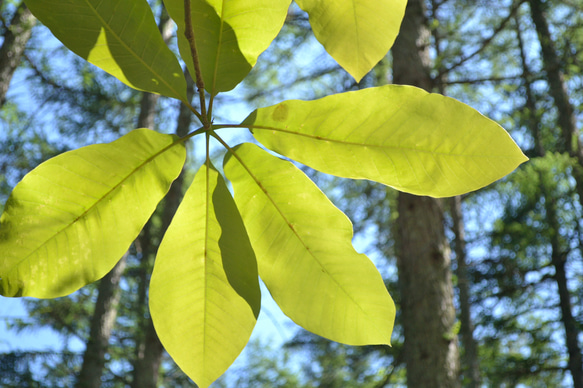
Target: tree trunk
[
  {"x": 469, "y": 359},
  {"x": 559, "y": 259},
  {"x": 15, "y": 38},
  {"x": 101, "y": 327},
  {"x": 423, "y": 256},
  {"x": 551, "y": 63},
  {"x": 149, "y": 349},
  {"x": 571, "y": 143},
  {"x": 531, "y": 116},
  {"x": 147, "y": 365}
]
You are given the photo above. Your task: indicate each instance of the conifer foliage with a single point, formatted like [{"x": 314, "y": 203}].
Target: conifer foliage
[{"x": 70, "y": 220}]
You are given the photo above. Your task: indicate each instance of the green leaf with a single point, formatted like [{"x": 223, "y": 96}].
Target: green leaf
[
  {"x": 401, "y": 136},
  {"x": 204, "y": 292},
  {"x": 120, "y": 37},
  {"x": 229, "y": 36},
  {"x": 304, "y": 251},
  {"x": 356, "y": 33},
  {"x": 72, "y": 218}
]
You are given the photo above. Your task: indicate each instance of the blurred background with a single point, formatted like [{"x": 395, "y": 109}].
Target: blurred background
[{"x": 508, "y": 298}]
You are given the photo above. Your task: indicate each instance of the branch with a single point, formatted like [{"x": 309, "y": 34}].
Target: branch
[
  {"x": 189, "y": 34},
  {"x": 485, "y": 43},
  {"x": 305, "y": 78},
  {"x": 481, "y": 80}
]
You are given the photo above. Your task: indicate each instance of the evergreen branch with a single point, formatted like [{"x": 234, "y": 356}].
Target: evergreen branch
[
  {"x": 482, "y": 80},
  {"x": 305, "y": 78},
  {"x": 486, "y": 42},
  {"x": 397, "y": 361}
]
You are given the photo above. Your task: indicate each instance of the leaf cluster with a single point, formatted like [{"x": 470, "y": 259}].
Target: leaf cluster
[{"x": 69, "y": 220}]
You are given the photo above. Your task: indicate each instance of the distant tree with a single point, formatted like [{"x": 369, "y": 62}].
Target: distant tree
[{"x": 15, "y": 36}]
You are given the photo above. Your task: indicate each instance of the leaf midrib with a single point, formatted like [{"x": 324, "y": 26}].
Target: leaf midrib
[
  {"x": 290, "y": 226},
  {"x": 146, "y": 65},
  {"x": 380, "y": 146}
]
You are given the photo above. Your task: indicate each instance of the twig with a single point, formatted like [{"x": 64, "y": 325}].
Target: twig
[
  {"x": 485, "y": 43},
  {"x": 189, "y": 34}
]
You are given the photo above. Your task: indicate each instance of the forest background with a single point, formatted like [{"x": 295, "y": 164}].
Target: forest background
[{"x": 516, "y": 268}]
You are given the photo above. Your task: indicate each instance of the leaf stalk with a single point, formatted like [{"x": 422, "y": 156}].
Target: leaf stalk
[{"x": 189, "y": 34}]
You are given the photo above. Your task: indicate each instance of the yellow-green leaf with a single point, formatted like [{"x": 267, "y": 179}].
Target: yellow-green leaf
[
  {"x": 229, "y": 36},
  {"x": 401, "y": 136},
  {"x": 204, "y": 292},
  {"x": 356, "y": 33},
  {"x": 120, "y": 37},
  {"x": 72, "y": 218},
  {"x": 304, "y": 251}
]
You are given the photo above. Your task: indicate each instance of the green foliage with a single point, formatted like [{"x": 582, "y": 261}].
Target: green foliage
[
  {"x": 204, "y": 290},
  {"x": 120, "y": 37},
  {"x": 229, "y": 36},
  {"x": 308, "y": 263},
  {"x": 366, "y": 27},
  {"x": 69, "y": 220},
  {"x": 411, "y": 140}
]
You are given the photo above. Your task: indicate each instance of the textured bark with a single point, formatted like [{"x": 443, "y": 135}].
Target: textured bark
[
  {"x": 15, "y": 39},
  {"x": 423, "y": 256},
  {"x": 566, "y": 120},
  {"x": 469, "y": 359},
  {"x": 101, "y": 326}
]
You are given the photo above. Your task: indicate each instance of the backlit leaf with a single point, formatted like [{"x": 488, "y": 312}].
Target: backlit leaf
[
  {"x": 401, "y": 136},
  {"x": 229, "y": 36},
  {"x": 72, "y": 218},
  {"x": 356, "y": 33},
  {"x": 304, "y": 251},
  {"x": 120, "y": 37},
  {"x": 204, "y": 292}
]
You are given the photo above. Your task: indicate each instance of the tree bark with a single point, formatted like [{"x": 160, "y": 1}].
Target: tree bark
[
  {"x": 530, "y": 113},
  {"x": 566, "y": 120},
  {"x": 558, "y": 91},
  {"x": 469, "y": 359},
  {"x": 101, "y": 327},
  {"x": 423, "y": 256},
  {"x": 15, "y": 39},
  {"x": 559, "y": 259}
]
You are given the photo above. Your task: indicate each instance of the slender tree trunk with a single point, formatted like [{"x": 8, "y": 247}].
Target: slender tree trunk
[
  {"x": 551, "y": 63},
  {"x": 149, "y": 349},
  {"x": 469, "y": 359},
  {"x": 530, "y": 113},
  {"x": 567, "y": 122},
  {"x": 15, "y": 39},
  {"x": 101, "y": 327},
  {"x": 559, "y": 259},
  {"x": 423, "y": 256},
  {"x": 147, "y": 365}
]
